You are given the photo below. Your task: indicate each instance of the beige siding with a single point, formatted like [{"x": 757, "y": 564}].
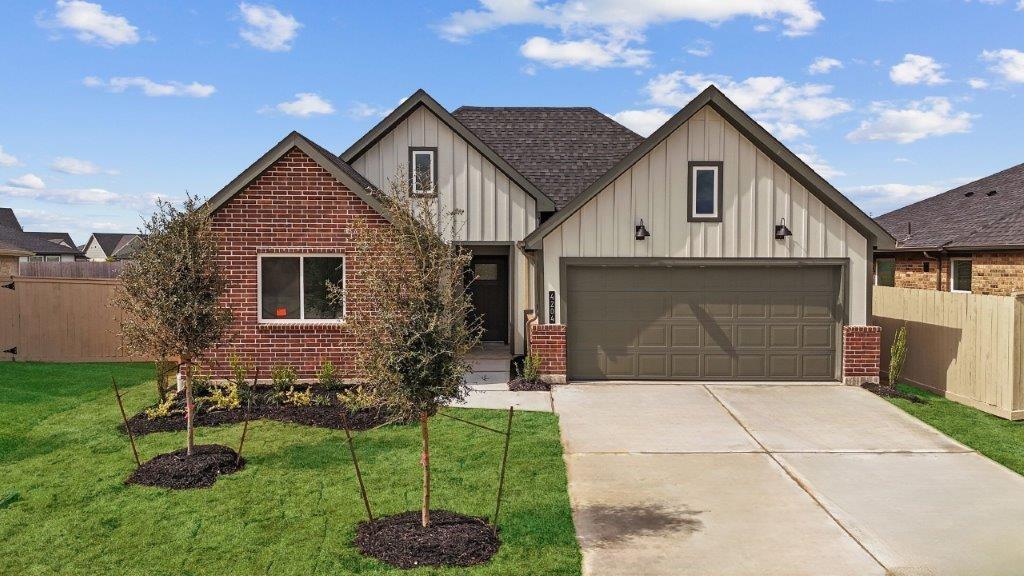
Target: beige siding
[{"x": 757, "y": 194}]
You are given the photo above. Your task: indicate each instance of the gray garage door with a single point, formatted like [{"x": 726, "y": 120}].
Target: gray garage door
[{"x": 702, "y": 323}]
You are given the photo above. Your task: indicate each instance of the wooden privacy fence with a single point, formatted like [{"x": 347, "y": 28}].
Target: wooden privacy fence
[
  {"x": 60, "y": 320},
  {"x": 71, "y": 269},
  {"x": 967, "y": 347}
]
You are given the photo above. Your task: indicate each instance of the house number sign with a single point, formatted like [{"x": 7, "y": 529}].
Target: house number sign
[{"x": 551, "y": 307}]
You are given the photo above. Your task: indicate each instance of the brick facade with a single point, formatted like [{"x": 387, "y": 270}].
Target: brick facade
[
  {"x": 993, "y": 273},
  {"x": 911, "y": 273},
  {"x": 294, "y": 207},
  {"x": 8, "y": 265},
  {"x": 548, "y": 342},
  {"x": 862, "y": 351}
]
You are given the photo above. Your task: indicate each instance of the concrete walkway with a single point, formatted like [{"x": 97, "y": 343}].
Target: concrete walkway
[
  {"x": 488, "y": 383},
  {"x": 726, "y": 479}
]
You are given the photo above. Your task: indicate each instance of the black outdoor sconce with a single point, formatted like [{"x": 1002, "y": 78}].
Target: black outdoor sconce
[
  {"x": 641, "y": 231},
  {"x": 781, "y": 231}
]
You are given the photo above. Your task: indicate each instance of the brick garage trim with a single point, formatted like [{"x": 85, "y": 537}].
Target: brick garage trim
[
  {"x": 862, "y": 351},
  {"x": 548, "y": 342}
]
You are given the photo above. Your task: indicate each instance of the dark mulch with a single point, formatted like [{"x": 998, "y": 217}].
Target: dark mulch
[
  {"x": 522, "y": 385},
  {"x": 892, "y": 392},
  {"x": 451, "y": 540},
  {"x": 177, "y": 471}
]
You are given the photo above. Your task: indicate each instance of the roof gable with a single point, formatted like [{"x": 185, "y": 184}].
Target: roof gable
[
  {"x": 9, "y": 219},
  {"x": 421, "y": 98},
  {"x": 337, "y": 167},
  {"x": 753, "y": 131}
]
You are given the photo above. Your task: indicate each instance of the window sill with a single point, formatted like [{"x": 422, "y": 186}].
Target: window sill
[{"x": 301, "y": 325}]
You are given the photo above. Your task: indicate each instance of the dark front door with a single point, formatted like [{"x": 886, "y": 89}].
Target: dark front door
[{"x": 489, "y": 291}]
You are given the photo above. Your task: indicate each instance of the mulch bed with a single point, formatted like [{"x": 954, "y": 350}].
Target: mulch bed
[
  {"x": 451, "y": 540},
  {"x": 521, "y": 385},
  {"x": 177, "y": 471},
  {"x": 892, "y": 392}
]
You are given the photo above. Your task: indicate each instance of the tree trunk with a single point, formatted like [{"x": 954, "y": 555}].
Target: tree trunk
[
  {"x": 190, "y": 407},
  {"x": 425, "y": 460}
]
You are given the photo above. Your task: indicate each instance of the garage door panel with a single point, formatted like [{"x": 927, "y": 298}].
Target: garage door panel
[{"x": 713, "y": 323}]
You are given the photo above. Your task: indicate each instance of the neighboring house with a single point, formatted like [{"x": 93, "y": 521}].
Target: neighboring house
[
  {"x": 105, "y": 247},
  {"x": 9, "y": 256},
  {"x": 969, "y": 239},
  {"x": 707, "y": 251},
  {"x": 40, "y": 246}
]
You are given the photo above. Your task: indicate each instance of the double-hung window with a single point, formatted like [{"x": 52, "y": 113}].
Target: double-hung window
[
  {"x": 704, "y": 197},
  {"x": 960, "y": 275},
  {"x": 422, "y": 171},
  {"x": 885, "y": 272},
  {"x": 294, "y": 288}
]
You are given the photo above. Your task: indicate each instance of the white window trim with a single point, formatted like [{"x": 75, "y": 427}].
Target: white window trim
[
  {"x": 302, "y": 290},
  {"x": 714, "y": 192},
  {"x": 433, "y": 177},
  {"x": 952, "y": 274}
]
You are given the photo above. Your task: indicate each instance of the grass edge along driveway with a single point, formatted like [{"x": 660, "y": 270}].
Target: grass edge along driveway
[{"x": 293, "y": 510}]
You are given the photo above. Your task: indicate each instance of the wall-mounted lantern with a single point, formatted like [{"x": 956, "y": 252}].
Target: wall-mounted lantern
[
  {"x": 781, "y": 231},
  {"x": 641, "y": 231}
]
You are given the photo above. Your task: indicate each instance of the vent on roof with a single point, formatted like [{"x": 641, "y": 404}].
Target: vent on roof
[
  {"x": 991, "y": 193},
  {"x": 968, "y": 194}
]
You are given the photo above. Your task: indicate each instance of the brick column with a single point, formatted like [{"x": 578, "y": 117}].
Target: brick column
[
  {"x": 548, "y": 342},
  {"x": 862, "y": 351}
]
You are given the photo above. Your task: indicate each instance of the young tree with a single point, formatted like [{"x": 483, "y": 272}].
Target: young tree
[
  {"x": 170, "y": 291},
  {"x": 413, "y": 310}
]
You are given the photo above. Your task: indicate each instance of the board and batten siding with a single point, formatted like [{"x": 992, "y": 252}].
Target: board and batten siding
[
  {"x": 492, "y": 208},
  {"x": 757, "y": 195}
]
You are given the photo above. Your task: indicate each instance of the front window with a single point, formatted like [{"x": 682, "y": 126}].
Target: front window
[
  {"x": 294, "y": 288},
  {"x": 53, "y": 258},
  {"x": 36, "y": 259},
  {"x": 705, "y": 194},
  {"x": 885, "y": 272},
  {"x": 422, "y": 171},
  {"x": 960, "y": 275}
]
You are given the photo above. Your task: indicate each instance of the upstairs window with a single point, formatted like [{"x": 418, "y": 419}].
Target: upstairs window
[
  {"x": 294, "y": 288},
  {"x": 704, "y": 198},
  {"x": 422, "y": 171},
  {"x": 960, "y": 275}
]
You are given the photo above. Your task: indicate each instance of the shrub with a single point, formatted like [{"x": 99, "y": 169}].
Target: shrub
[
  {"x": 201, "y": 381},
  {"x": 328, "y": 376},
  {"x": 164, "y": 408},
  {"x": 358, "y": 398},
  {"x": 531, "y": 368},
  {"x": 897, "y": 355},
  {"x": 283, "y": 377},
  {"x": 165, "y": 370},
  {"x": 296, "y": 398},
  {"x": 224, "y": 396}
]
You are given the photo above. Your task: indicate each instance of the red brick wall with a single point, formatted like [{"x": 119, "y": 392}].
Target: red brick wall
[
  {"x": 295, "y": 206},
  {"x": 548, "y": 342},
  {"x": 862, "y": 350}
]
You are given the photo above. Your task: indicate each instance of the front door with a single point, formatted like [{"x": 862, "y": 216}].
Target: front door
[{"x": 489, "y": 292}]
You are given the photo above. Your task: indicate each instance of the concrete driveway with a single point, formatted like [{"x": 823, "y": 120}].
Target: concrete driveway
[{"x": 728, "y": 479}]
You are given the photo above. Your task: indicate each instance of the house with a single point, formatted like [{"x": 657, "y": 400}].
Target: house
[
  {"x": 40, "y": 246},
  {"x": 109, "y": 246},
  {"x": 706, "y": 251},
  {"x": 9, "y": 257},
  {"x": 969, "y": 239}
]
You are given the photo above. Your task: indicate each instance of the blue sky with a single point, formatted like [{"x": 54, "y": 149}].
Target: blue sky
[{"x": 109, "y": 104}]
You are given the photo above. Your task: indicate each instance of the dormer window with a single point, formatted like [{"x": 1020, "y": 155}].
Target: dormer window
[
  {"x": 704, "y": 198},
  {"x": 422, "y": 171}
]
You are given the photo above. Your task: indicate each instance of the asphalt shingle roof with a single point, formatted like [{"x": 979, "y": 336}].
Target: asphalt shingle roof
[
  {"x": 39, "y": 242},
  {"x": 560, "y": 150},
  {"x": 8, "y": 219},
  {"x": 966, "y": 216},
  {"x": 112, "y": 242}
]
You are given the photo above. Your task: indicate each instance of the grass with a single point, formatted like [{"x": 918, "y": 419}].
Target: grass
[
  {"x": 293, "y": 510},
  {"x": 999, "y": 439}
]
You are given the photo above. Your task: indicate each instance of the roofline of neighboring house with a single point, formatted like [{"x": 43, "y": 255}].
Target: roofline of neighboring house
[
  {"x": 421, "y": 98},
  {"x": 952, "y": 249},
  {"x": 7, "y": 250},
  {"x": 325, "y": 159},
  {"x": 754, "y": 132},
  {"x": 126, "y": 244}
]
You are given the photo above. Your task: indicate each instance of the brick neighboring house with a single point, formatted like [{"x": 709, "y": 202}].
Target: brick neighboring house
[
  {"x": 706, "y": 251},
  {"x": 40, "y": 246},
  {"x": 968, "y": 239}
]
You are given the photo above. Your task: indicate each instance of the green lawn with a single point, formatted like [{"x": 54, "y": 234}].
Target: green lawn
[
  {"x": 999, "y": 439},
  {"x": 292, "y": 510}
]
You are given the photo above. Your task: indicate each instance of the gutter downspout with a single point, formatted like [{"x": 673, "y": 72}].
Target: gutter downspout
[{"x": 938, "y": 268}]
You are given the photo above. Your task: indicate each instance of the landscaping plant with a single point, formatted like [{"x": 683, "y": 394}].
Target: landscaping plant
[
  {"x": 170, "y": 293},
  {"x": 897, "y": 355},
  {"x": 413, "y": 305}
]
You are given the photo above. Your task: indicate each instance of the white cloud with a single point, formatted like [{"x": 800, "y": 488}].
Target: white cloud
[
  {"x": 363, "y": 110},
  {"x": 643, "y": 122},
  {"x": 305, "y": 104},
  {"x": 902, "y": 160},
  {"x": 882, "y": 198},
  {"x": 587, "y": 53},
  {"x": 917, "y": 69},
  {"x": 978, "y": 83},
  {"x": 919, "y": 119},
  {"x": 1008, "y": 63},
  {"x": 700, "y": 48},
  {"x": 91, "y": 24},
  {"x": 776, "y": 103},
  {"x": 809, "y": 154},
  {"x": 7, "y": 159},
  {"x": 267, "y": 28},
  {"x": 63, "y": 195},
  {"x": 77, "y": 167},
  {"x": 30, "y": 181},
  {"x": 786, "y": 131},
  {"x": 823, "y": 65},
  {"x": 149, "y": 87}
]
